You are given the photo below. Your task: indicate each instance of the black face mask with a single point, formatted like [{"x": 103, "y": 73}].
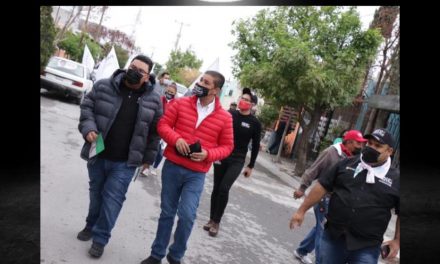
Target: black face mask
[
  {"x": 356, "y": 151},
  {"x": 200, "y": 91},
  {"x": 370, "y": 155},
  {"x": 133, "y": 77},
  {"x": 169, "y": 96}
]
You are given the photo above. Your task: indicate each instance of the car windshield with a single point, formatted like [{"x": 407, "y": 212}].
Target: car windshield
[{"x": 67, "y": 67}]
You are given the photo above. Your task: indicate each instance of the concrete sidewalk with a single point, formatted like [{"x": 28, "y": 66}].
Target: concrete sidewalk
[{"x": 284, "y": 170}]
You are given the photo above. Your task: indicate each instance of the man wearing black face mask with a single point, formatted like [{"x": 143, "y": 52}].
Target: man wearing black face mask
[
  {"x": 351, "y": 145},
  {"x": 364, "y": 190},
  {"x": 188, "y": 122},
  {"x": 123, "y": 111}
]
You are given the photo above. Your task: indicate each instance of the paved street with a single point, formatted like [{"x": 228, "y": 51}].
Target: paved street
[{"x": 254, "y": 228}]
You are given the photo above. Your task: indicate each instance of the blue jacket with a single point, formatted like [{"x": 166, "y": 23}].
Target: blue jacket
[{"x": 99, "y": 110}]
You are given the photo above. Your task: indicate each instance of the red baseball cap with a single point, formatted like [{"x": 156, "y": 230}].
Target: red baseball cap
[{"x": 354, "y": 135}]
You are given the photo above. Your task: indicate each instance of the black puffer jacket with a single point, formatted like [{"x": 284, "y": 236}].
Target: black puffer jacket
[{"x": 99, "y": 110}]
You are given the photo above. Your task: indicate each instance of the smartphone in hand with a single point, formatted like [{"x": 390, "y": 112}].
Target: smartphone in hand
[{"x": 384, "y": 251}]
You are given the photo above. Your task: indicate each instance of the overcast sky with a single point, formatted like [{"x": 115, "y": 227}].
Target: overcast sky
[{"x": 207, "y": 29}]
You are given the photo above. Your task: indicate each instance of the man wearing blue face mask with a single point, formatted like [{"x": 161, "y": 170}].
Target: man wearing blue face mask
[
  {"x": 364, "y": 190},
  {"x": 122, "y": 112}
]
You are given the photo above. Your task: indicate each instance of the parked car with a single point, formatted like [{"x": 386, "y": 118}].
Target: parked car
[
  {"x": 67, "y": 77},
  {"x": 181, "y": 90}
]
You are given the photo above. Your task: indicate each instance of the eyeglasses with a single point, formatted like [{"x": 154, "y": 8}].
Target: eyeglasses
[{"x": 138, "y": 70}]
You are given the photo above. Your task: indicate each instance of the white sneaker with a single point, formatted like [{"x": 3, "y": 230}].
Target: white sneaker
[
  {"x": 303, "y": 258},
  {"x": 153, "y": 172},
  {"x": 145, "y": 172}
]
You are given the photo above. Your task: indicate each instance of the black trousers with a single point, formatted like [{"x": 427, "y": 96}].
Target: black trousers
[{"x": 225, "y": 175}]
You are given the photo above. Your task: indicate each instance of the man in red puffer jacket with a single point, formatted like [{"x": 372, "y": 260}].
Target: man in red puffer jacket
[{"x": 198, "y": 132}]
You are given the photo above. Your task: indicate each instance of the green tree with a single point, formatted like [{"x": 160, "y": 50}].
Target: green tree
[
  {"x": 71, "y": 45},
  {"x": 182, "y": 60},
  {"x": 121, "y": 53},
  {"x": 384, "y": 19},
  {"x": 311, "y": 58},
  {"x": 47, "y": 35},
  {"x": 268, "y": 115},
  {"x": 158, "y": 68}
]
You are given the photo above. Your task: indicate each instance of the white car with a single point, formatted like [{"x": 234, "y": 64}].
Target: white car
[
  {"x": 181, "y": 90},
  {"x": 67, "y": 77}
]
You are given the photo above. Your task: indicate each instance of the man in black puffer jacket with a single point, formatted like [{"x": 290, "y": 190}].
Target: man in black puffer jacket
[{"x": 122, "y": 110}]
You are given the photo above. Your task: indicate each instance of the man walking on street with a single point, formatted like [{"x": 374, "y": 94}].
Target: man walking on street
[
  {"x": 121, "y": 111},
  {"x": 364, "y": 190},
  {"x": 351, "y": 145},
  {"x": 198, "y": 131}
]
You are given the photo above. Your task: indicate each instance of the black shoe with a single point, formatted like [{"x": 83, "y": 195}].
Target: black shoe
[
  {"x": 96, "y": 250},
  {"x": 151, "y": 260},
  {"x": 85, "y": 234},
  {"x": 171, "y": 260}
]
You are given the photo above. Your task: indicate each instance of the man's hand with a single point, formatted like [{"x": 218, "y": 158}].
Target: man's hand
[
  {"x": 182, "y": 146},
  {"x": 298, "y": 194},
  {"x": 296, "y": 220},
  {"x": 247, "y": 172},
  {"x": 394, "y": 248},
  {"x": 91, "y": 136},
  {"x": 199, "y": 156}
]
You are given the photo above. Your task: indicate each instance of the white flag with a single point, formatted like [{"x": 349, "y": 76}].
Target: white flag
[
  {"x": 87, "y": 59},
  {"x": 107, "y": 66},
  {"x": 129, "y": 60}
]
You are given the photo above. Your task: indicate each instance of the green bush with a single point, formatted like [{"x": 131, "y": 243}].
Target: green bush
[
  {"x": 71, "y": 44},
  {"x": 47, "y": 35},
  {"x": 268, "y": 115}
]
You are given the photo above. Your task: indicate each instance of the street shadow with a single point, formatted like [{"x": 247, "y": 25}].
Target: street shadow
[{"x": 57, "y": 96}]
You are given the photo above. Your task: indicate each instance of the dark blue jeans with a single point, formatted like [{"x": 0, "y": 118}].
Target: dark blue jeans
[
  {"x": 108, "y": 185},
  {"x": 181, "y": 191},
  {"x": 334, "y": 251},
  {"x": 312, "y": 240}
]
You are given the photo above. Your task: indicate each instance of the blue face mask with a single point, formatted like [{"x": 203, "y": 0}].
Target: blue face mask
[
  {"x": 169, "y": 96},
  {"x": 200, "y": 91}
]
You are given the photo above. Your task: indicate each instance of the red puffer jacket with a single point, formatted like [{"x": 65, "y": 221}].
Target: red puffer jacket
[
  {"x": 215, "y": 132},
  {"x": 165, "y": 102}
]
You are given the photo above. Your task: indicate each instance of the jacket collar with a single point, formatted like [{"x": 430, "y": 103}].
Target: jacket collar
[{"x": 217, "y": 102}]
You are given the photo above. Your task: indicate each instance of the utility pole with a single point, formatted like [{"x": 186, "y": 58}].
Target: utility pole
[
  {"x": 152, "y": 52},
  {"x": 180, "y": 33}
]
